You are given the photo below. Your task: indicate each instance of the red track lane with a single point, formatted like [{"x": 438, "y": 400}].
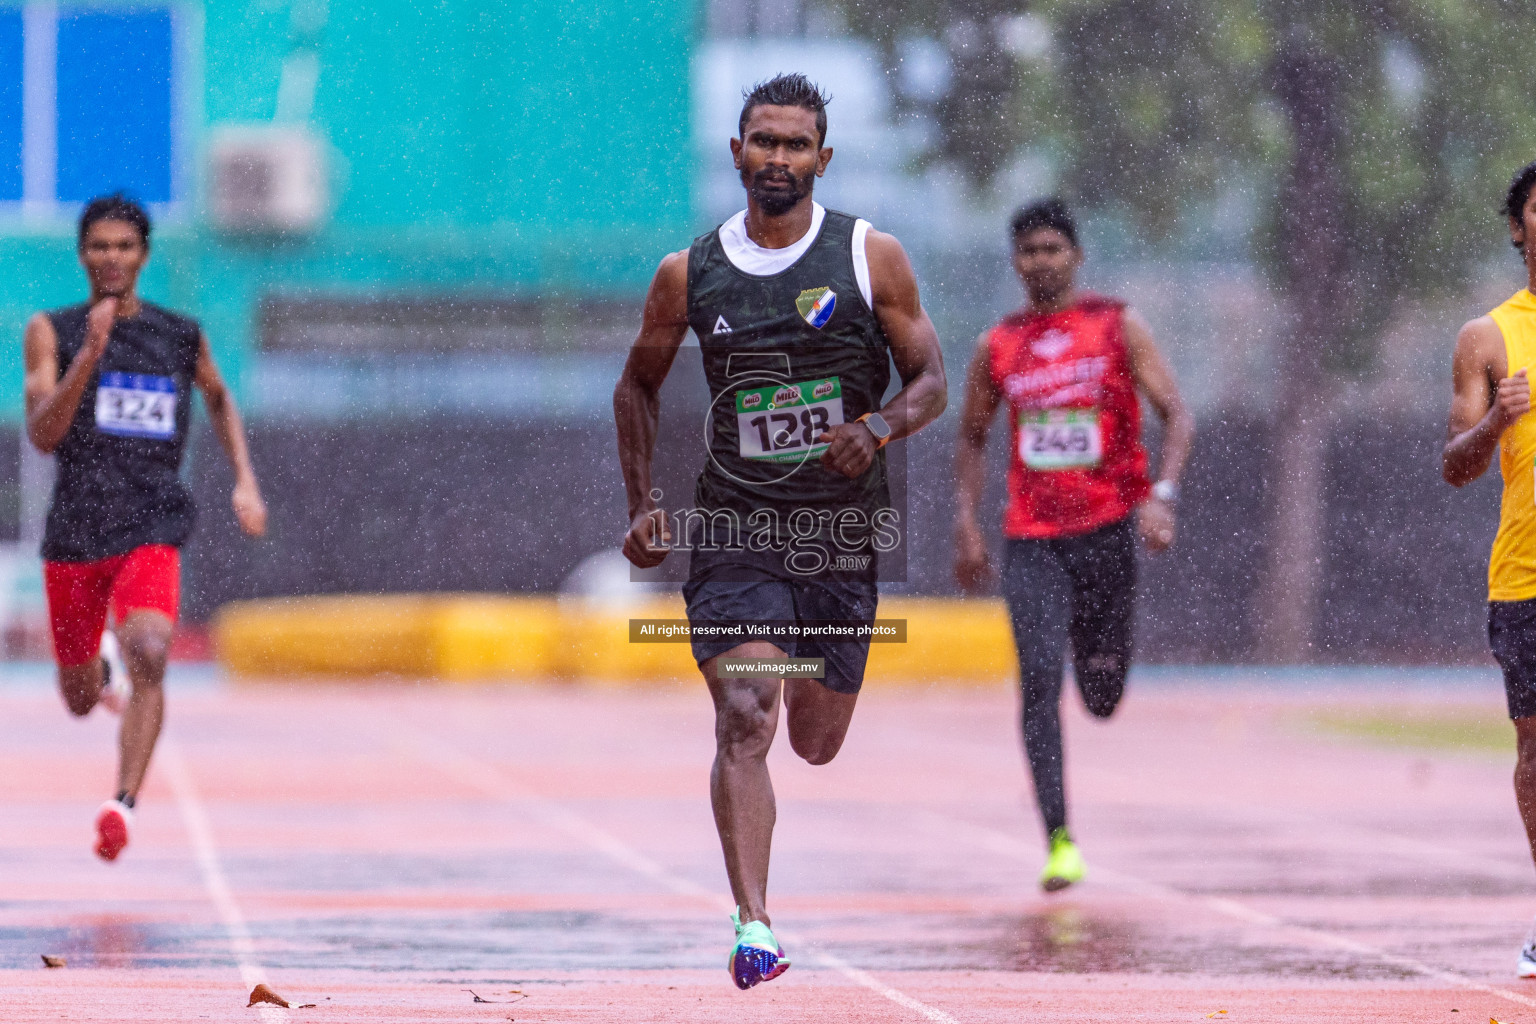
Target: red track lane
[{"x": 381, "y": 851}]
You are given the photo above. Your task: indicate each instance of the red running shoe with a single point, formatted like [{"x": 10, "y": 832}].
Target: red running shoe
[{"x": 112, "y": 823}]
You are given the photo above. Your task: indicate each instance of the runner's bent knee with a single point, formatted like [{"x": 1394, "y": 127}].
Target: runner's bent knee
[
  {"x": 745, "y": 718},
  {"x": 1525, "y": 742},
  {"x": 147, "y": 651},
  {"x": 819, "y": 751},
  {"x": 80, "y": 687},
  {"x": 821, "y": 746},
  {"x": 1101, "y": 680}
]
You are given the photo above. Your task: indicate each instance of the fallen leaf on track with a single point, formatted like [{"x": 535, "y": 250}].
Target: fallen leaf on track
[
  {"x": 1216, "y": 1013},
  {"x": 263, "y": 994},
  {"x": 480, "y": 999},
  {"x": 52, "y": 961}
]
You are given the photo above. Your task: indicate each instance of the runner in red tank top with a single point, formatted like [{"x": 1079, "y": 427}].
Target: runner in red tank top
[
  {"x": 1069, "y": 367},
  {"x": 1077, "y": 461}
]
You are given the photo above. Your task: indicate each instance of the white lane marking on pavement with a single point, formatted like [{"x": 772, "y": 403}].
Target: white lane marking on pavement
[
  {"x": 1000, "y": 842},
  {"x": 1382, "y": 841},
  {"x": 1379, "y": 839},
  {"x": 195, "y": 818},
  {"x": 896, "y": 996},
  {"x": 494, "y": 783}
]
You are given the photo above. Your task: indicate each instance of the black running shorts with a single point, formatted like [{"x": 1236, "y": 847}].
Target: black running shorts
[
  {"x": 1512, "y": 635},
  {"x": 726, "y": 589}
]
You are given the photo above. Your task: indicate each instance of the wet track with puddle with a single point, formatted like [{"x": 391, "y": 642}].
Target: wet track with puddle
[{"x": 389, "y": 851}]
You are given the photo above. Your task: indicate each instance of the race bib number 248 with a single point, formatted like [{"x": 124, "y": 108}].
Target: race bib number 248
[{"x": 136, "y": 405}]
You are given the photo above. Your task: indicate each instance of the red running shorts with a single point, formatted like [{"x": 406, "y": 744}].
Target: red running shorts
[{"x": 80, "y": 594}]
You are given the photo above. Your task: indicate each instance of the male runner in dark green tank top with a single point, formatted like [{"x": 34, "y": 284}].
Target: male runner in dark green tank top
[{"x": 799, "y": 312}]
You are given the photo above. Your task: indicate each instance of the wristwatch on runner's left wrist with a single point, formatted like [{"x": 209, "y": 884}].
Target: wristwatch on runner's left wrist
[
  {"x": 877, "y": 426},
  {"x": 1166, "y": 490}
]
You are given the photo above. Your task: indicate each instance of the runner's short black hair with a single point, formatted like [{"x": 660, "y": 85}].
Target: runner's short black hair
[
  {"x": 786, "y": 91},
  {"x": 1520, "y": 191},
  {"x": 1044, "y": 213},
  {"x": 115, "y": 207}
]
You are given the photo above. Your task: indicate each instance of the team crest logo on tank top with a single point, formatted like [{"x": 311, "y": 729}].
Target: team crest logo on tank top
[{"x": 816, "y": 305}]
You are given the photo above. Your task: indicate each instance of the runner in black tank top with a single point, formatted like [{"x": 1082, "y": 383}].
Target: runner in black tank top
[
  {"x": 770, "y": 341},
  {"x": 109, "y": 392},
  {"x": 799, "y": 312},
  {"x": 117, "y": 484}
]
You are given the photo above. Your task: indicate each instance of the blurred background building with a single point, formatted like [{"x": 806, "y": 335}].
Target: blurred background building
[{"x": 418, "y": 237}]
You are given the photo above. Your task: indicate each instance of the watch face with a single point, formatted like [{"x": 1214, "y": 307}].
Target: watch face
[{"x": 877, "y": 426}]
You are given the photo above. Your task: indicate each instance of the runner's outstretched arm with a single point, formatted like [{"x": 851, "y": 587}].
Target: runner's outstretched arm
[
  {"x": 914, "y": 349},
  {"x": 972, "y": 566},
  {"x": 1155, "y": 517},
  {"x": 1480, "y": 409},
  {"x": 1155, "y": 381},
  {"x": 250, "y": 509},
  {"x": 637, "y": 403},
  {"x": 52, "y": 402}
]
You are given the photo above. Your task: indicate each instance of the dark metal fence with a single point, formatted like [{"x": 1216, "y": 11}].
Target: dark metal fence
[{"x": 514, "y": 506}]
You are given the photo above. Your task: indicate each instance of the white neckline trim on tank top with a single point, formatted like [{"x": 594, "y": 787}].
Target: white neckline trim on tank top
[{"x": 747, "y": 256}]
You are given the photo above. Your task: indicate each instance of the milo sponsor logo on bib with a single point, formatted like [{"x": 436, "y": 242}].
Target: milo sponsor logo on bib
[
  {"x": 781, "y": 423},
  {"x": 1051, "y": 439}
]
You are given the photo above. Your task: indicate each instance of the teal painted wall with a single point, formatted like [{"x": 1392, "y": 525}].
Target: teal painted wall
[{"x": 491, "y": 148}]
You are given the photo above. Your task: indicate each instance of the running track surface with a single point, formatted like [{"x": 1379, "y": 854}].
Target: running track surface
[{"x": 384, "y": 850}]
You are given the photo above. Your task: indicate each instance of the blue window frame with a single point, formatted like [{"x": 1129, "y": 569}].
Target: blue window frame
[
  {"x": 115, "y": 103},
  {"x": 12, "y": 113},
  {"x": 90, "y": 102}
]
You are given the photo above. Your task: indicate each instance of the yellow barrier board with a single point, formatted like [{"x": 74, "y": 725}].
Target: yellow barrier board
[
  {"x": 434, "y": 636},
  {"x": 468, "y": 637}
]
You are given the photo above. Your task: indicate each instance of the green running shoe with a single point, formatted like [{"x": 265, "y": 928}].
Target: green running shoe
[
  {"x": 1065, "y": 864},
  {"x": 757, "y": 956}
]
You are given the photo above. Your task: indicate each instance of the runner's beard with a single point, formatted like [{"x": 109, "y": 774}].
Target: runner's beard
[{"x": 776, "y": 203}]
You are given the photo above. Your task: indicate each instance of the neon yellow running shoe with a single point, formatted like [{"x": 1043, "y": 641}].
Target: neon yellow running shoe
[
  {"x": 757, "y": 956},
  {"x": 1065, "y": 864}
]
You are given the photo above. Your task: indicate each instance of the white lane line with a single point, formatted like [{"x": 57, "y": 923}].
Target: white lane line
[
  {"x": 999, "y": 842},
  {"x": 195, "y": 818},
  {"x": 479, "y": 775},
  {"x": 896, "y": 996},
  {"x": 1406, "y": 848},
  {"x": 1381, "y": 841}
]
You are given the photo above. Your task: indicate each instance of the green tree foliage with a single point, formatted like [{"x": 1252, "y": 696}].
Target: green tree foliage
[
  {"x": 1375, "y": 139},
  {"x": 1412, "y": 113}
]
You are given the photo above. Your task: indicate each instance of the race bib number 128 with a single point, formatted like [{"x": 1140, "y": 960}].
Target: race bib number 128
[
  {"x": 136, "y": 405},
  {"x": 781, "y": 424},
  {"x": 1060, "y": 438}
]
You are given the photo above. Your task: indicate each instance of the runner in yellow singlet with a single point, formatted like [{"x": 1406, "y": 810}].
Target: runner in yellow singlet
[{"x": 1495, "y": 355}]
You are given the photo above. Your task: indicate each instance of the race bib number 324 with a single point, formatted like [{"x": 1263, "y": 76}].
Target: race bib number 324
[
  {"x": 781, "y": 424},
  {"x": 136, "y": 405},
  {"x": 1060, "y": 438}
]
